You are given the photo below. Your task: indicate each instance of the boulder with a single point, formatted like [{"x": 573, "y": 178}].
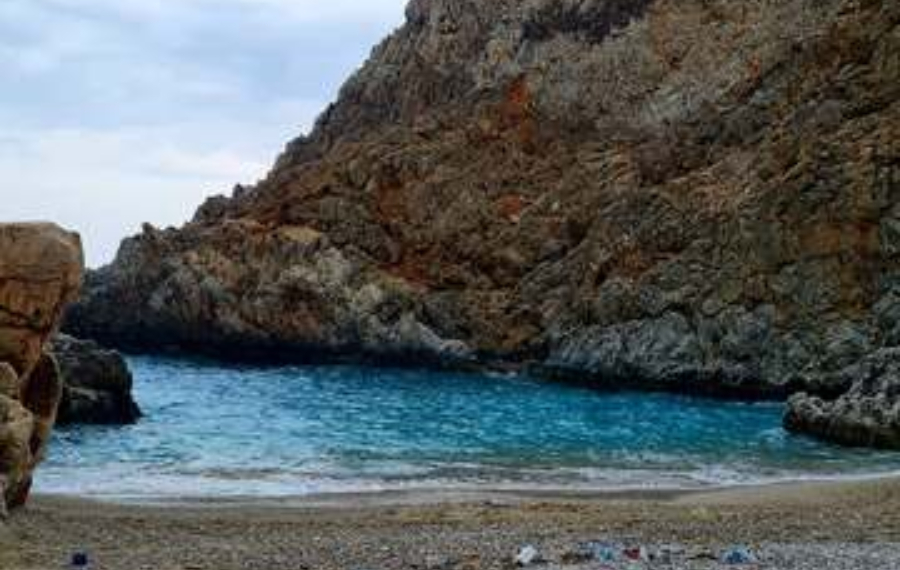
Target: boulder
[
  {"x": 40, "y": 272},
  {"x": 868, "y": 415},
  {"x": 97, "y": 384}
]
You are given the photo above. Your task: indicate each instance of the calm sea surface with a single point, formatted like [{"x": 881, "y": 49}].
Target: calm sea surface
[{"x": 223, "y": 431}]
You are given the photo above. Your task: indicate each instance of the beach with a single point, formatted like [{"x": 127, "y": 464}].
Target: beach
[{"x": 833, "y": 525}]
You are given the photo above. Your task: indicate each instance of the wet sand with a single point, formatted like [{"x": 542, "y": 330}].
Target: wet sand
[{"x": 818, "y": 526}]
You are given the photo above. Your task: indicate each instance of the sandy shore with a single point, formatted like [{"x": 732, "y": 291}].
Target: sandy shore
[{"x": 817, "y": 526}]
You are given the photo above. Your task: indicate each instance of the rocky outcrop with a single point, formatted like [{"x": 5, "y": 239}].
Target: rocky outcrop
[
  {"x": 868, "y": 415},
  {"x": 96, "y": 384},
  {"x": 698, "y": 195},
  {"x": 40, "y": 272}
]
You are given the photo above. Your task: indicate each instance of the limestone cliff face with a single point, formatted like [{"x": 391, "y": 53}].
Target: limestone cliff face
[
  {"x": 40, "y": 272},
  {"x": 697, "y": 195}
]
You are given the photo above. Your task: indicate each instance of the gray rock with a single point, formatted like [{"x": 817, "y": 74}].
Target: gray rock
[
  {"x": 867, "y": 415},
  {"x": 97, "y": 384}
]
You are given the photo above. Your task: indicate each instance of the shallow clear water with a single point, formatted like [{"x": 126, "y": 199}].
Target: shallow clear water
[{"x": 213, "y": 431}]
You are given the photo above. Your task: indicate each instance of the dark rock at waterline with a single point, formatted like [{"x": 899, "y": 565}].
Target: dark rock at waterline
[
  {"x": 97, "y": 384},
  {"x": 868, "y": 415},
  {"x": 690, "y": 195}
]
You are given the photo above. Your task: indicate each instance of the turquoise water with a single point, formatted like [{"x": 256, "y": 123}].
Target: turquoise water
[{"x": 215, "y": 431}]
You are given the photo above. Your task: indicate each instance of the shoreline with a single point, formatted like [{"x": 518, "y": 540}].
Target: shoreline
[
  {"x": 440, "y": 494},
  {"x": 824, "y": 525}
]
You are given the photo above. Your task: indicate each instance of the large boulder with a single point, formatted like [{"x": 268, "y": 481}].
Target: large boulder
[
  {"x": 40, "y": 273},
  {"x": 868, "y": 415},
  {"x": 97, "y": 384}
]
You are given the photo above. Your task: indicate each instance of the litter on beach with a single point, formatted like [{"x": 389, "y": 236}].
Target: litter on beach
[
  {"x": 527, "y": 556},
  {"x": 738, "y": 555},
  {"x": 80, "y": 561}
]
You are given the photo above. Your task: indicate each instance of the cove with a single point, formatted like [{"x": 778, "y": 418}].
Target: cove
[{"x": 214, "y": 430}]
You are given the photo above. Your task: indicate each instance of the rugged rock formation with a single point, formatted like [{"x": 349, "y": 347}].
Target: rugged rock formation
[
  {"x": 694, "y": 195},
  {"x": 40, "y": 272},
  {"x": 96, "y": 384},
  {"x": 868, "y": 415}
]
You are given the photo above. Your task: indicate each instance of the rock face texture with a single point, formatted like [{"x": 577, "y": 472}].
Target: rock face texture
[
  {"x": 40, "y": 272},
  {"x": 96, "y": 384},
  {"x": 868, "y": 415},
  {"x": 696, "y": 195}
]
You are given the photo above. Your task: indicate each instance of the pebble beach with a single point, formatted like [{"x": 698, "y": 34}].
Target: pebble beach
[{"x": 822, "y": 526}]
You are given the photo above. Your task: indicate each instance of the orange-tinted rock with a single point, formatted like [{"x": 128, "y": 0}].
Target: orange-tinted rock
[
  {"x": 40, "y": 272},
  {"x": 679, "y": 194}
]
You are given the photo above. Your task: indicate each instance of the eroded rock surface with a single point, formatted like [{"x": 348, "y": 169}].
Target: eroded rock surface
[
  {"x": 697, "y": 195},
  {"x": 40, "y": 272},
  {"x": 868, "y": 415},
  {"x": 97, "y": 384}
]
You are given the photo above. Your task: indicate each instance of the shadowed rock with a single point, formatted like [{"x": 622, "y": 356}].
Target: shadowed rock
[
  {"x": 868, "y": 415},
  {"x": 97, "y": 384}
]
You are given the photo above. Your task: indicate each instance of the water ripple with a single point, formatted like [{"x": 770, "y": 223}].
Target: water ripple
[{"x": 214, "y": 430}]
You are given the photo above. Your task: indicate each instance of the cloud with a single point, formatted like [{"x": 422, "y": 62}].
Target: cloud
[
  {"x": 115, "y": 112},
  {"x": 302, "y": 11},
  {"x": 105, "y": 183}
]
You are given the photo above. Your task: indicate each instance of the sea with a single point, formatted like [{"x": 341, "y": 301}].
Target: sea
[{"x": 217, "y": 431}]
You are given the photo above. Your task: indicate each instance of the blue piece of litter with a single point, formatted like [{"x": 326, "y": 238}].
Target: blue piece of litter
[
  {"x": 738, "y": 555},
  {"x": 603, "y": 552}
]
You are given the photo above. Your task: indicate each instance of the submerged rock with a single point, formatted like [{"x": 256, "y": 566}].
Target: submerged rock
[
  {"x": 40, "y": 272},
  {"x": 868, "y": 415},
  {"x": 97, "y": 384},
  {"x": 688, "y": 195}
]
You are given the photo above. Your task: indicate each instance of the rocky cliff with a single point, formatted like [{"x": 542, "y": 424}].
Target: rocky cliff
[
  {"x": 40, "y": 272},
  {"x": 697, "y": 195}
]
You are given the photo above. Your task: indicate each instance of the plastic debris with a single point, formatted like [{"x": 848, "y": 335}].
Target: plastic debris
[
  {"x": 527, "y": 556},
  {"x": 603, "y": 552},
  {"x": 667, "y": 553},
  {"x": 636, "y": 554},
  {"x": 738, "y": 555},
  {"x": 80, "y": 561},
  {"x": 593, "y": 552},
  {"x": 703, "y": 554}
]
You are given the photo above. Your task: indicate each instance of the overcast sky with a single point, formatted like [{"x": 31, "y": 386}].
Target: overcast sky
[{"x": 116, "y": 112}]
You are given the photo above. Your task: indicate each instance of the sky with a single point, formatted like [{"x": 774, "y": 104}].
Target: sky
[{"x": 119, "y": 112}]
